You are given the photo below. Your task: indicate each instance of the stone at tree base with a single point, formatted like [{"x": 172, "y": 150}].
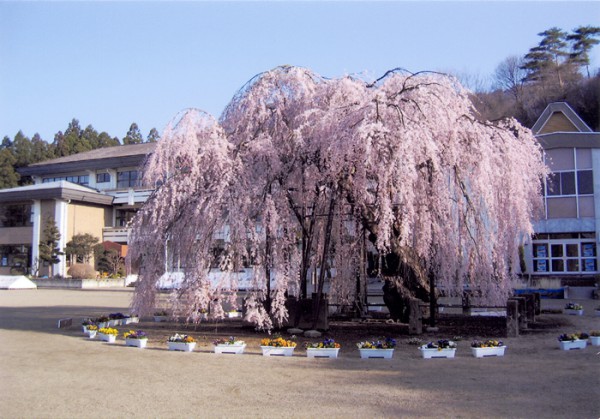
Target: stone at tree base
[
  {"x": 295, "y": 331},
  {"x": 312, "y": 334}
]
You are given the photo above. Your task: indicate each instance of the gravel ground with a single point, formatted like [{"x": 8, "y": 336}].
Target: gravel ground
[{"x": 47, "y": 372}]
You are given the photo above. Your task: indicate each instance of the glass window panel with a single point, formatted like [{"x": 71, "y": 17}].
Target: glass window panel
[
  {"x": 588, "y": 249},
  {"x": 585, "y": 182},
  {"x": 540, "y": 250},
  {"x": 584, "y": 158},
  {"x": 553, "y": 184},
  {"x": 589, "y": 265},
  {"x": 558, "y": 265},
  {"x": 567, "y": 183},
  {"x": 540, "y": 265},
  {"x": 557, "y": 250},
  {"x": 572, "y": 265},
  {"x": 572, "y": 250},
  {"x": 560, "y": 159}
]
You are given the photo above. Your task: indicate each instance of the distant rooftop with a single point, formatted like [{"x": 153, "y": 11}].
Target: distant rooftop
[{"x": 100, "y": 158}]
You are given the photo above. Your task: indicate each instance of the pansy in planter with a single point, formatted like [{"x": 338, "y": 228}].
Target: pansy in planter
[
  {"x": 441, "y": 344},
  {"x": 487, "y": 348},
  {"x": 443, "y": 348},
  {"x": 277, "y": 346},
  {"x": 179, "y": 342},
  {"x": 328, "y": 348},
  {"x": 326, "y": 343},
  {"x": 229, "y": 341},
  {"x": 138, "y": 338},
  {"x": 161, "y": 313},
  {"x": 569, "y": 341},
  {"x": 387, "y": 343},
  {"x": 573, "y": 306},
  {"x": 491, "y": 343},
  {"x": 229, "y": 346},
  {"x": 278, "y": 342},
  {"x": 571, "y": 337},
  {"x": 108, "y": 334}
]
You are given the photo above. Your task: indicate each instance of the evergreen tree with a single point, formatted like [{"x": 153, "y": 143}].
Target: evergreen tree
[
  {"x": 582, "y": 41},
  {"x": 134, "y": 135},
  {"x": 153, "y": 136},
  {"x": 9, "y": 178},
  {"x": 81, "y": 247},
  {"x": 6, "y": 142},
  {"x": 49, "y": 250},
  {"x": 22, "y": 150}
]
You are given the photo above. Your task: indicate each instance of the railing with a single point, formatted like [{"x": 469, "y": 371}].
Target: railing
[
  {"x": 115, "y": 234},
  {"x": 129, "y": 196}
]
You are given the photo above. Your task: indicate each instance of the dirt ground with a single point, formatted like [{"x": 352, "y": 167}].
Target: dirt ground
[{"x": 47, "y": 372}]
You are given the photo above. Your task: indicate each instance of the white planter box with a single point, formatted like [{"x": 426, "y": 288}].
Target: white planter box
[
  {"x": 230, "y": 349},
  {"x": 485, "y": 352},
  {"x": 130, "y": 320},
  {"x": 376, "y": 353},
  {"x": 322, "y": 352},
  {"x": 114, "y": 322},
  {"x": 107, "y": 338},
  {"x": 138, "y": 343},
  {"x": 574, "y": 312},
  {"x": 595, "y": 340},
  {"x": 85, "y": 329},
  {"x": 428, "y": 353},
  {"x": 102, "y": 325},
  {"x": 159, "y": 319},
  {"x": 233, "y": 314},
  {"x": 91, "y": 333},
  {"x": 277, "y": 351},
  {"x": 573, "y": 344},
  {"x": 181, "y": 346}
]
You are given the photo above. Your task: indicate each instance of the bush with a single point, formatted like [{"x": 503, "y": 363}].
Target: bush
[{"x": 82, "y": 271}]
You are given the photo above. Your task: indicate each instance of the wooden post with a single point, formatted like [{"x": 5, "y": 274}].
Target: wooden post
[
  {"x": 522, "y": 312},
  {"x": 415, "y": 325},
  {"x": 529, "y": 307},
  {"x": 512, "y": 318},
  {"x": 538, "y": 303},
  {"x": 466, "y": 303}
]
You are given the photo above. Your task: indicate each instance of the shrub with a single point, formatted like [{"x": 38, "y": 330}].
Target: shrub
[{"x": 82, "y": 271}]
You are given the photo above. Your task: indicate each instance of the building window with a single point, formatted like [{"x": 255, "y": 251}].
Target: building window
[
  {"x": 127, "y": 179},
  {"x": 564, "y": 183},
  {"x": 80, "y": 179},
  {"x": 18, "y": 215},
  {"x": 124, "y": 217},
  {"x": 565, "y": 253},
  {"x": 102, "y": 177},
  {"x": 16, "y": 257}
]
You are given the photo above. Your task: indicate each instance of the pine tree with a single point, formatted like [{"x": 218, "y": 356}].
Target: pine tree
[
  {"x": 134, "y": 136},
  {"x": 49, "y": 250},
  {"x": 582, "y": 41},
  {"x": 9, "y": 178}
]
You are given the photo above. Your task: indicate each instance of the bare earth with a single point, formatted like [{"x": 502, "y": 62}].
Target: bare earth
[{"x": 47, "y": 372}]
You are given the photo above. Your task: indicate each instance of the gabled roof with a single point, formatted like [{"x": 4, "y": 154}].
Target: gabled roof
[
  {"x": 55, "y": 190},
  {"x": 560, "y": 110},
  {"x": 101, "y": 158}
]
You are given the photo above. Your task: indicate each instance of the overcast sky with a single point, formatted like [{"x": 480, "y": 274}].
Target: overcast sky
[{"x": 109, "y": 64}]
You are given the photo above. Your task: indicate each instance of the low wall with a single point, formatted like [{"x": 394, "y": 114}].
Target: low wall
[{"x": 79, "y": 283}]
